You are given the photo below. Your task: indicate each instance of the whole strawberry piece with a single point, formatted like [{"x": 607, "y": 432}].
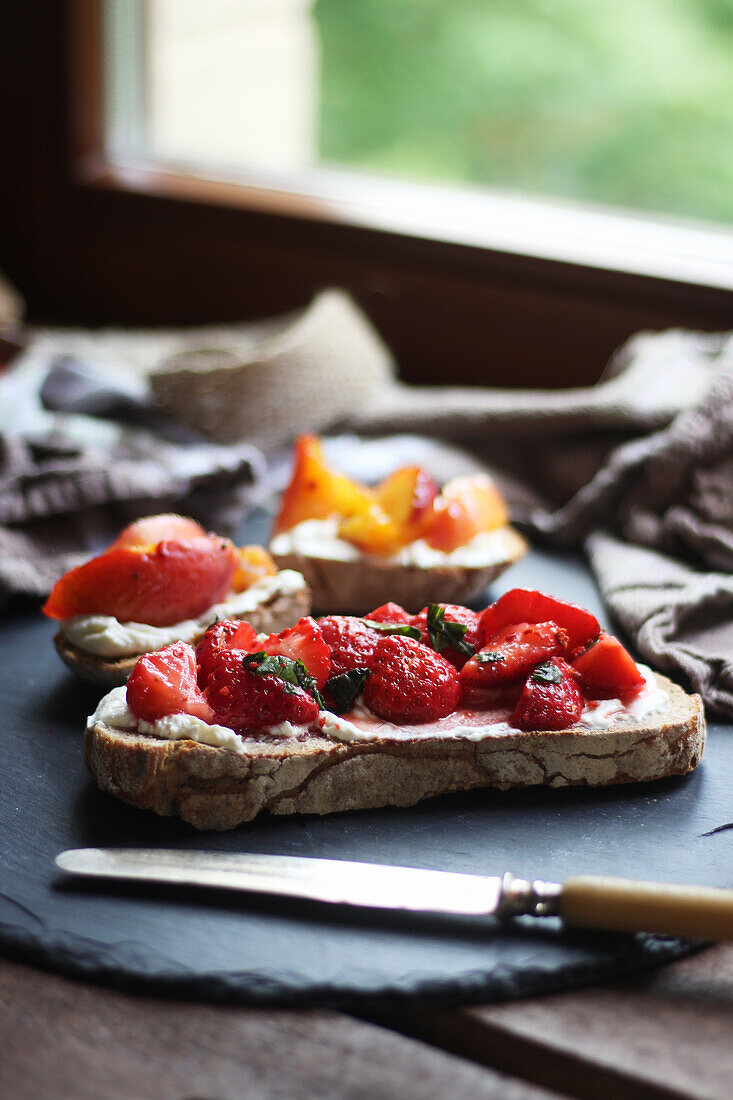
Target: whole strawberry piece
[
  {"x": 164, "y": 683},
  {"x": 248, "y": 700},
  {"x": 351, "y": 641},
  {"x": 441, "y": 626},
  {"x": 551, "y": 698},
  {"x": 226, "y": 634},
  {"x": 410, "y": 683}
]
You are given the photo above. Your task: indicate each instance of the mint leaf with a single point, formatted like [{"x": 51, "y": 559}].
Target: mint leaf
[
  {"x": 345, "y": 687},
  {"x": 444, "y": 633},
  {"x": 547, "y": 673},
  {"x": 404, "y": 629},
  {"x": 292, "y": 673},
  {"x": 486, "y": 658}
]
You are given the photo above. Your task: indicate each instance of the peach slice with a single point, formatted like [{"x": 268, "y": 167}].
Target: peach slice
[
  {"x": 150, "y": 530},
  {"x": 374, "y": 532},
  {"x": 466, "y": 507},
  {"x": 160, "y": 586},
  {"x": 315, "y": 492},
  {"x": 254, "y": 563},
  {"x": 407, "y": 496}
]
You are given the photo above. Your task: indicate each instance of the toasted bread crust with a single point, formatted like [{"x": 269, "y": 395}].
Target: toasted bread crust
[
  {"x": 277, "y": 612},
  {"x": 356, "y": 587},
  {"x": 213, "y": 788}
]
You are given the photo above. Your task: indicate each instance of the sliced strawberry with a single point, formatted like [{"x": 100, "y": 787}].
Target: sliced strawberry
[
  {"x": 248, "y": 702},
  {"x": 522, "y": 605},
  {"x": 550, "y": 699},
  {"x": 390, "y": 613},
  {"x": 410, "y": 683},
  {"x": 456, "y": 646},
  {"x": 351, "y": 642},
  {"x": 164, "y": 683},
  {"x": 607, "y": 671},
  {"x": 226, "y": 634},
  {"x": 512, "y": 653},
  {"x": 302, "y": 642}
]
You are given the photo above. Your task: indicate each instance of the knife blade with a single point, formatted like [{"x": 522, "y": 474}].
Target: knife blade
[{"x": 589, "y": 901}]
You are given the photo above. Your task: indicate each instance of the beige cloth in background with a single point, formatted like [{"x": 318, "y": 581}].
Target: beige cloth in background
[{"x": 636, "y": 469}]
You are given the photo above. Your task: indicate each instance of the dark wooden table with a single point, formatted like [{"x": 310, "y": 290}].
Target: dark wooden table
[{"x": 663, "y": 1036}]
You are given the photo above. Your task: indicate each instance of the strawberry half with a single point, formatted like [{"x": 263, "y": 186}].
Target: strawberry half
[
  {"x": 165, "y": 683},
  {"x": 550, "y": 699},
  {"x": 512, "y": 653},
  {"x": 226, "y": 634},
  {"x": 351, "y": 642},
  {"x": 410, "y": 683},
  {"x": 246, "y": 698}
]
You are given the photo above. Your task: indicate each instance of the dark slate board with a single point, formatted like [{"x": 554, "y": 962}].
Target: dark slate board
[{"x": 258, "y": 950}]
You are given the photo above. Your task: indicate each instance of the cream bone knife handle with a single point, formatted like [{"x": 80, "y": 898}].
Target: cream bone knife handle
[{"x": 623, "y": 905}]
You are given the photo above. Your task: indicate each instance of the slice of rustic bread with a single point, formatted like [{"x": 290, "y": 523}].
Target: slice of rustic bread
[
  {"x": 278, "y": 611},
  {"x": 214, "y": 788},
  {"x": 357, "y": 587}
]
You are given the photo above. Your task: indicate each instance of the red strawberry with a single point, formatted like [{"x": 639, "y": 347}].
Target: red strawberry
[
  {"x": 512, "y": 653},
  {"x": 522, "y": 605},
  {"x": 352, "y": 643},
  {"x": 164, "y": 683},
  {"x": 226, "y": 634},
  {"x": 550, "y": 699},
  {"x": 247, "y": 702},
  {"x": 302, "y": 642},
  {"x": 607, "y": 671},
  {"x": 390, "y": 613},
  {"x": 452, "y": 613},
  {"x": 410, "y": 683}
]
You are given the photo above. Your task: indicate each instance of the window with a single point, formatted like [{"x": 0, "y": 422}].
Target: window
[
  {"x": 138, "y": 199},
  {"x": 629, "y": 104}
]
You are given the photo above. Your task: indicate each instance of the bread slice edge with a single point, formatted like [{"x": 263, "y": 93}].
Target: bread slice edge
[{"x": 214, "y": 789}]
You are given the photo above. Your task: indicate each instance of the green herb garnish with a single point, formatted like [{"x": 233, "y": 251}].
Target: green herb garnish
[
  {"x": 404, "y": 629},
  {"x": 486, "y": 658},
  {"x": 444, "y": 633},
  {"x": 293, "y": 674},
  {"x": 547, "y": 673},
  {"x": 345, "y": 687}
]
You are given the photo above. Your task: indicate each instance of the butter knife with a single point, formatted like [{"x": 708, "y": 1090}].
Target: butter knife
[{"x": 585, "y": 901}]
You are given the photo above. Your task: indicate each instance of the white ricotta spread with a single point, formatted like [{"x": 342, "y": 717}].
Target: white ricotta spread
[
  {"x": 105, "y": 636},
  {"x": 114, "y": 711},
  {"x": 319, "y": 538}
]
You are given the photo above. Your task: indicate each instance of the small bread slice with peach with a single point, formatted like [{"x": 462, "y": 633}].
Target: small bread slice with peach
[{"x": 405, "y": 540}]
